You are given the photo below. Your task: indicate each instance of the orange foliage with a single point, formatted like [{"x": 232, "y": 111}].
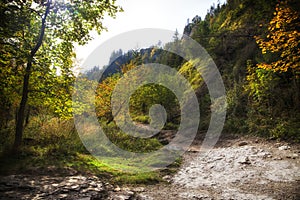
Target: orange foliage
[
  {"x": 103, "y": 96},
  {"x": 283, "y": 38}
]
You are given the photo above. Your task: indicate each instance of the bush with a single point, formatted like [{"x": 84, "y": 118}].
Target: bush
[
  {"x": 47, "y": 135},
  {"x": 286, "y": 129},
  {"x": 142, "y": 119},
  {"x": 6, "y": 138},
  {"x": 130, "y": 143}
]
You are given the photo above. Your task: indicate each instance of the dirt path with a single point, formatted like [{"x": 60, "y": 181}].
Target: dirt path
[
  {"x": 245, "y": 168},
  {"x": 237, "y": 169}
]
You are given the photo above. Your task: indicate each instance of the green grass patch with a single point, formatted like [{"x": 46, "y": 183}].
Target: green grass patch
[
  {"x": 50, "y": 143},
  {"x": 117, "y": 170},
  {"x": 142, "y": 119}
]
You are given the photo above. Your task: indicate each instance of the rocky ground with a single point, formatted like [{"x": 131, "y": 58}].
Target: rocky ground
[{"x": 247, "y": 168}]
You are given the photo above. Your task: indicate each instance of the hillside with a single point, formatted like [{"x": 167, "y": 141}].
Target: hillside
[
  {"x": 128, "y": 135},
  {"x": 260, "y": 101}
]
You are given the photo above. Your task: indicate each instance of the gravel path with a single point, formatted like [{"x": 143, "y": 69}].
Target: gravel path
[{"x": 239, "y": 170}]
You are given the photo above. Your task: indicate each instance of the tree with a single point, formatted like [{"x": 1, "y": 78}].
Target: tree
[
  {"x": 273, "y": 83},
  {"x": 150, "y": 94},
  {"x": 38, "y": 37},
  {"x": 105, "y": 90},
  {"x": 114, "y": 55},
  {"x": 176, "y": 36},
  {"x": 283, "y": 39},
  {"x": 103, "y": 97}
]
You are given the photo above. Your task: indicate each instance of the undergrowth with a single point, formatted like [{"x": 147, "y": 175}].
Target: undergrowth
[{"x": 51, "y": 142}]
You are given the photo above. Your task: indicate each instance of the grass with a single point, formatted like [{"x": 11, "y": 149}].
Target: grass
[
  {"x": 142, "y": 119},
  {"x": 50, "y": 142},
  {"x": 119, "y": 176},
  {"x": 82, "y": 163}
]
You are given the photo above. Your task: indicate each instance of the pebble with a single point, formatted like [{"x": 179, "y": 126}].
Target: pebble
[
  {"x": 243, "y": 143},
  {"x": 62, "y": 196},
  {"x": 69, "y": 187},
  {"x": 85, "y": 198},
  {"x": 139, "y": 189},
  {"x": 244, "y": 160},
  {"x": 284, "y": 147},
  {"x": 292, "y": 156},
  {"x": 117, "y": 189}
]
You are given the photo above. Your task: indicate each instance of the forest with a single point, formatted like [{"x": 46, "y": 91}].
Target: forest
[
  {"x": 256, "y": 50},
  {"x": 255, "y": 46}
]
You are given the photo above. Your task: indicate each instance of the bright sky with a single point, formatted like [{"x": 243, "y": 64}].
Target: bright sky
[{"x": 164, "y": 14}]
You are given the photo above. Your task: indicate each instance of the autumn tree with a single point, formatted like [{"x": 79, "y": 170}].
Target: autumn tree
[
  {"x": 37, "y": 46},
  {"x": 283, "y": 39},
  {"x": 273, "y": 82},
  {"x": 103, "y": 97}
]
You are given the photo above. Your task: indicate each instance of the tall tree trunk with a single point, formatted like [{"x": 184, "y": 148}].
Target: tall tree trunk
[
  {"x": 21, "y": 112},
  {"x": 296, "y": 94},
  {"x": 27, "y": 116}
]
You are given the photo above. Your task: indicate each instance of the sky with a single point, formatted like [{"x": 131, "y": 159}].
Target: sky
[{"x": 140, "y": 14}]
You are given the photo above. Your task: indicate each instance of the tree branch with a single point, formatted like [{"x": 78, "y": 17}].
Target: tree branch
[{"x": 42, "y": 32}]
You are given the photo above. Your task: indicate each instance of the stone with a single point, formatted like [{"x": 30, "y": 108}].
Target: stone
[
  {"x": 121, "y": 197},
  {"x": 85, "y": 198},
  {"x": 167, "y": 178},
  {"x": 244, "y": 160},
  {"x": 284, "y": 147},
  {"x": 100, "y": 195},
  {"x": 62, "y": 196},
  {"x": 75, "y": 187},
  {"x": 129, "y": 193},
  {"x": 243, "y": 143},
  {"x": 117, "y": 189},
  {"x": 292, "y": 156},
  {"x": 142, "y": 197},
  {"x": 139, "y": 189},
  {"x": 194, "y": 149}
]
